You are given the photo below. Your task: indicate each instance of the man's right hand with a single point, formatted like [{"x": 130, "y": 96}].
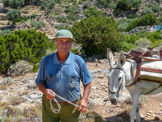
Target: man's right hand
[{"x": 49, "y": 94}]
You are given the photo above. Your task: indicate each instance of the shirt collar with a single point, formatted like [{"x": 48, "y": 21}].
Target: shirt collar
[{"x": 56, "y": 61}]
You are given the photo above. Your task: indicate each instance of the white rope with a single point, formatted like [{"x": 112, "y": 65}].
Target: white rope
[{"x": 59, "y": 106}]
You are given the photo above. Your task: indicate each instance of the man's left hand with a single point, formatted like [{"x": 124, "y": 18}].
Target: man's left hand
[{"x": 83, "y": 104}]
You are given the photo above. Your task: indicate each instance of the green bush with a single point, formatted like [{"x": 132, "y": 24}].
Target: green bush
[
  {"x": 17, "y": 3},
  {"x": 145, "y": 20},
  {"x": 38, "y": 24},
  {"x": 92, "y": 11},
  {"x": 103, "y": 3},
  {"x": 6, "y": 3},
  {"x": 155, "y": 8},
  {"x": 72, "y": 10},
  {"x": 157, "y": 44},
  {"x": 62, "y": 26},
  {"x": 143, "y": 42},
  {"x": 112, "y": 5},
  {"x": 27, "y": 45},
  {"x": 127, "y": 46},
  {"x": 123, "y": 24},
  {"x": 47, "y": 4},
  {"x": 96, "y": 34},
  {"x": 155, "y": 36},
  {"x": 131, "y": 38},
  {"x": 123, "y": 5},
  {"x": 5, "y": 32},
  {"x": 61, "y": 19},
  {"x": 14, "y": 15},
  {"x": 146, "y": 11},
  {"x": 14, "y": 3},
  {"x": 136, "y": 3}
]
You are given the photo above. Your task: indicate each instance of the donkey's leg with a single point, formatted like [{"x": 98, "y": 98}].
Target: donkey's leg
[
  {"x": 135, "y": 98},
  {"x": 138, "y": 118}
]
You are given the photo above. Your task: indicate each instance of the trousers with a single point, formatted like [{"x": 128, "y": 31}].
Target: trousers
[{"x": 68, "y": 112}]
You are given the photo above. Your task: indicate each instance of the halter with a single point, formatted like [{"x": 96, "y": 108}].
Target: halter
[
  {"x": 117, "y": 93},
  {"x": 132, "y": 73}
]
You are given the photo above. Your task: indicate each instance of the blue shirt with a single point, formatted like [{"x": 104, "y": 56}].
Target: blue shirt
[{"x": 64, "y": 78}]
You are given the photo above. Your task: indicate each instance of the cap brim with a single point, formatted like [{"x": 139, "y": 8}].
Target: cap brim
[{"x": 73, "y": 40}]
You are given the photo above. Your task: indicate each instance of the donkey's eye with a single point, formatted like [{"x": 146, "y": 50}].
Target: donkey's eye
[{"x": 119, "y": 78}]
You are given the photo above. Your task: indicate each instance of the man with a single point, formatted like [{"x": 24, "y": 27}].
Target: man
[{"x": 60, "y": 73}]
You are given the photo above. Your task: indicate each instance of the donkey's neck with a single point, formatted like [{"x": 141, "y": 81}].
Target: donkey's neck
[{"x": 129, "y": 69}]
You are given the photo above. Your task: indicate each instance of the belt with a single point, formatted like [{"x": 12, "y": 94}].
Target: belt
[{"x": 64, "y": 102}]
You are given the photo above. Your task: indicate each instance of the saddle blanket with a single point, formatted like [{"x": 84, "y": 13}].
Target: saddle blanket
[{"x": 151, "y": 70}]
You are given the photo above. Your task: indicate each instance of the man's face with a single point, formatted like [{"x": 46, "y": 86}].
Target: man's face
[{"x": 63, "y": 45}]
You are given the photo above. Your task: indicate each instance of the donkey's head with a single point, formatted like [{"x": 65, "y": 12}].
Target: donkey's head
[{"x": 116, "y": 76}]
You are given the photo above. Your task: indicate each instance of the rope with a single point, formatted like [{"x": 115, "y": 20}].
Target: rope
[{"x": 59, "y": 106}]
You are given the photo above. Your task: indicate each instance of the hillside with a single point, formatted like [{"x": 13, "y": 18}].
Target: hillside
[{"x": 57, "y": 14}]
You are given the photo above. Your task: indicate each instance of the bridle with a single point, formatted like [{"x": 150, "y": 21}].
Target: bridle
[
  {"x": 117, "y": 93},
  {"x": 132, "y": 73}
]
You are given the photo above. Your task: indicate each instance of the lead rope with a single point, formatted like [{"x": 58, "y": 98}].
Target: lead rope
[{"x": 59, "y": 106}]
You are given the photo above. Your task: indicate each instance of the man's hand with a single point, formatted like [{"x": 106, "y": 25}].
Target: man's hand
[
  {"x": 83, "y": 104},
  {"x": 49, "y": 94}
]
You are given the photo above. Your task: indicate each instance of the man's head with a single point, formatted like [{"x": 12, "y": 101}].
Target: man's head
[
  {"x": 63, "y": 41},
  {"x": 64, "y": 34}
]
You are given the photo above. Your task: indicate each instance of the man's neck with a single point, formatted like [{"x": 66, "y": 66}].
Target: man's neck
[{"x": 62, "y": 57}]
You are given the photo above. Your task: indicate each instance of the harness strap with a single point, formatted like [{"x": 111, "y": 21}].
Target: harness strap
[{"x": 154, "y": 89}]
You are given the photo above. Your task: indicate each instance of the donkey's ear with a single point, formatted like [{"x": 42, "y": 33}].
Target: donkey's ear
[
  {"x": 121, "y": 60},
  {"x": 110, "y": 57}
]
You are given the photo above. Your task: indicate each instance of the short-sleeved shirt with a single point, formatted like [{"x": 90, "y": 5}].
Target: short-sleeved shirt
[{"x": 64, "y": 78}]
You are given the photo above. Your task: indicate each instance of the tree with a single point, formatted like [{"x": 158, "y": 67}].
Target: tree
[
  {"x": 96, "y": 34},
  {"x": 123, "y": 5},
  {"x": 14, "y": 15}
]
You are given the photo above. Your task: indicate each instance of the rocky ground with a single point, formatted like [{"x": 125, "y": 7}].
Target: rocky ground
[{"x": 20, "y": 98}]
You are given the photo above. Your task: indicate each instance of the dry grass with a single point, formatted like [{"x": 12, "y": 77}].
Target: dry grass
[
  {"x": 33, "y": 111},
  {"x": 3, "y": 86},
  {"x": 15, "y": 100},
  {"x": 24, "y": 92}
]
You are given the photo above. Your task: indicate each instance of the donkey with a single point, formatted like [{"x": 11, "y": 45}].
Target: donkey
[{"x": 122, "y": 74}]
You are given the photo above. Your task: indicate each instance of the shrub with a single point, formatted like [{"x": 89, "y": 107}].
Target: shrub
[
  {"x": 17, "y": 3},
  {"x": 6, "y": 3},
  {"x": 136, "y": 3},
  {"x": 27, "y": 45},
  {"x": 93, "y": 12},
  {"x": 145, "y": 20},
  {"x": 154, "y": 36},
  {"x": 72, "y": 9},
  {"x": 103, "y": 3},
  {"x": 127, "y": 46},
  {"x": 157, "y": 44},
  {"x": 96, "y": 34},
  {"x": 131, "y": 38},
  {"x": 155, "y": 8},
  {"x": 62, "y": 26},
  {"x": 37, "y": 24},
  {"x": 14, "y": 3},
  {"x": 5, "y": 32},
  {"x": 61, "y": 19},
  {"x": 123, "y": 5},
  {"x": 47, "y": 4},
  {"x": 143, "y": 42},
  {"x": 146, "y": 11},
  {"x": 123, "y": 24},
  {"x": 14, "y": 15}
]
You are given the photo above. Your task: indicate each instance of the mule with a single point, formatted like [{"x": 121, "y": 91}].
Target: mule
[{"x": 122, "y": 74}]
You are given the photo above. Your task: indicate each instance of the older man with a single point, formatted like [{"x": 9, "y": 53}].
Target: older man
[{"x": 60, "y": 73}]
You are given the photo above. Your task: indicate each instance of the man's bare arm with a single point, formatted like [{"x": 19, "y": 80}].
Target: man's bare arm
[{"x": 83, "y": 104}]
